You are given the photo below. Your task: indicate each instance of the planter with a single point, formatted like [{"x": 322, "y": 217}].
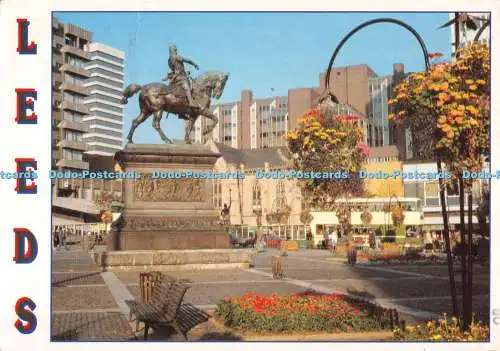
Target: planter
[
  {"x": 341, "y": 251},
  {"x": 292, "y": 245}
]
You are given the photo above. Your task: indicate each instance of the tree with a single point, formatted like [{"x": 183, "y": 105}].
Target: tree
[
  {"x": 103, "y": 201},
  {"x": 330, "y": 145},
  {"x": 447, "y": 110}
]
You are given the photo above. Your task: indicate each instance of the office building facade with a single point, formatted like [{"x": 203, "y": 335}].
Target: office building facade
[
  {"x": 105, "y": 86},
  {"x": 82, "y": 83},
  {"x": 69, "y": 73}
]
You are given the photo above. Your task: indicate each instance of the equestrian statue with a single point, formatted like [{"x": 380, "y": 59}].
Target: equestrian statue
[{"x": 186, "y": 97}]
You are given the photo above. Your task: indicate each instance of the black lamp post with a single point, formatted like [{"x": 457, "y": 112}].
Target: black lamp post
[{"x": 331, "y": 97}]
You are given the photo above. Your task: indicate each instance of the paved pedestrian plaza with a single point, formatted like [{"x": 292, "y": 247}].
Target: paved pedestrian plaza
[{"x": 88, "y": 304}]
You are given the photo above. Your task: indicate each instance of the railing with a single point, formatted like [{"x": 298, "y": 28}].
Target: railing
[
  {"x": 294, "y": 232},
  {"x": 81, "y": 228},
  {"x": 76, "y": 236}
]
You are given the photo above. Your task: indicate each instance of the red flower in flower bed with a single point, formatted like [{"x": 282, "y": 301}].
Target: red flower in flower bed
[{"x": 304, "y": 312}]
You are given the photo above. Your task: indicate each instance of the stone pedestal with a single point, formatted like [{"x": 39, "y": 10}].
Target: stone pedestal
[{"x": 168, "y": 214}]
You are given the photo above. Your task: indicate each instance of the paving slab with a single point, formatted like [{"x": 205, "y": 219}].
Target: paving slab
[
  {"x": 480, "y": 306},
  {"x": 85, "y": 297},
  {"x": 211, "y": 294},
  {"x": 197, "y": 276},
  {"x": 91, "y": 327},
  {"x": 71, "y": 279},
  {"x": 399, "y": 289}
]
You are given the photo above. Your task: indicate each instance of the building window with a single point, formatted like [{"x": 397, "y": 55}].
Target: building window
[
  {"x": 73, "y": 79},
  {"x": 74, "y": 61},
  {"x": 217, "y": 196},
  {"x": 74, "y": 98},
  {"x": 431, "y": 189},
  {"x": 72, "y": 155},
  {"x": 73, "y": 136},
  {"x": 72, "y": 116},
  {"x": 256, "y": 195},
  {"x": 70, "y": 40},
  {"x": 280, "y": 195}
]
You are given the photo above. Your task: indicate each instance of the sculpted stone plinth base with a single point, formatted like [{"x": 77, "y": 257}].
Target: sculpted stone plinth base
[
  {"x": 173, "y": 259},
  {"x": 168, "y": 214}
]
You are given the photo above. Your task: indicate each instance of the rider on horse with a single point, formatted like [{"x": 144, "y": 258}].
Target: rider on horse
[{"x": 178, "y": 75}]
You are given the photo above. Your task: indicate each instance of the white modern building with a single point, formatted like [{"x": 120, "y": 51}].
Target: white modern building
[
  {"x": 380, "y": 89},
  {"x": 105, "y": 86},
  {"x": 468, "y": 35},
  {"x": 428, "y": 192}
]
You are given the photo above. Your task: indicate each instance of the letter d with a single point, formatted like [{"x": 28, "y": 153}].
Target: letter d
[{"x": 25, "y": 253}]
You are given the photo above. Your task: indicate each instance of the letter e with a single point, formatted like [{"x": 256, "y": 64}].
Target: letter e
[
  {"x": 24, "y": 165},
  {"x": 26, "y": 101}
]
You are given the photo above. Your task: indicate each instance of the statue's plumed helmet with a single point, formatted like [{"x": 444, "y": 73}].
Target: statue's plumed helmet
[{"x": 172, "y": 47}]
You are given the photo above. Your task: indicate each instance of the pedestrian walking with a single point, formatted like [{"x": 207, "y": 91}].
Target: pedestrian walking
[
  {"x": 55, "y": 235},
  {"x": 334, "y": 237},
  {"x": 427, "y": 241},
  {"x": 62, "y": 239}
]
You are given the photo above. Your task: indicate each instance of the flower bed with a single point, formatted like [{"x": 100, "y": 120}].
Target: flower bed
[
  {"x": 306, "y": 312},
  {"x": 442, "y": 330},
  {"x": 393, "y": 258}
]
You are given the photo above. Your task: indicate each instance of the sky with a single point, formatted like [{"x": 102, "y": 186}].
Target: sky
[{"x": 267, "y": 53}]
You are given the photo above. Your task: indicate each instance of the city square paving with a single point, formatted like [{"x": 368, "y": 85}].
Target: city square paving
[{"x": 88, "y": 304}]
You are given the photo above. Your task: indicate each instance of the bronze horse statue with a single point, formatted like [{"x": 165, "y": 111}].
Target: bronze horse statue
[{"x": 155, "y": 98}]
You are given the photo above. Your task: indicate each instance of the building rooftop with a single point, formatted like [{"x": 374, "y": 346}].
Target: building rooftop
[
  {"x": 251, "y": 158},
  {"x": 257, "y": 158}
]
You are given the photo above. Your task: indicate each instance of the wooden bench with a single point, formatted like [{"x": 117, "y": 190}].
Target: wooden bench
[
  {"x": 168, "y": 314},
  {"x": 158, "y": 299}
]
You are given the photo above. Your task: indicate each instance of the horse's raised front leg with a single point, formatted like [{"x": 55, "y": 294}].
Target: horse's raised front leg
[
  {"x": 213, "y": 118},
  {"x": 156, "y": 126},
  {"x": 189, "y": 129},
  {"x": 135, "y": 123}
]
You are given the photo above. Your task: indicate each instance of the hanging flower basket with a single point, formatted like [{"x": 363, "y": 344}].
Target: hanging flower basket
[
  {"x": 107, "y": 217},
  {"x": 271, "y": 218},
  {"x": 366, "y": 217},
  {"x": 343, "y": 215},
  {"x": 286, "y": 211},
  {"x": 305, "y": 217},
  {"x": 398, "y": 215}
]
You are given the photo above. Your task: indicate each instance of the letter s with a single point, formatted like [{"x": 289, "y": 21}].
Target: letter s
[{"x": 25, "y": 315}]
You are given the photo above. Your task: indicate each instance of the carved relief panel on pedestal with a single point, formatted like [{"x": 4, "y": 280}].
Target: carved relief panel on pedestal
[{"x": 169, "y": 190}]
